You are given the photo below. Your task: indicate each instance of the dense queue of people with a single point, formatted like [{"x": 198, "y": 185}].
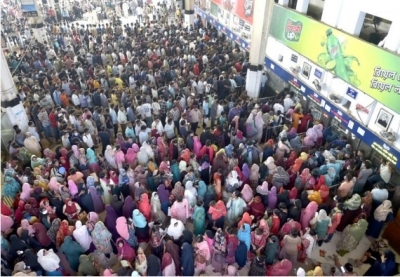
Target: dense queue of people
[{"x": 153, "y": 133}]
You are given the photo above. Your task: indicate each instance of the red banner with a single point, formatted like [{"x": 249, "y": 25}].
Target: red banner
[{"x": 241, "y": 8}]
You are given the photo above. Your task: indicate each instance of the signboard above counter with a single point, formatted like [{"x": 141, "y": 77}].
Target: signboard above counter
[
  {"x": 360, "y": 131},
  {"x": 362, "y": 65}
]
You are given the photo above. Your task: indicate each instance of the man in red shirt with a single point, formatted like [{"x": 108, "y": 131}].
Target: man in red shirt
[
  {"x": 196, "y": 69},
  {"x": 53, "y": 123}
]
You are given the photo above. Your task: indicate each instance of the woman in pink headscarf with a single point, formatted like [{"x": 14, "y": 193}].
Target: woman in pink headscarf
[
  {"x": 307, "y": 214},
  {"x": 75, "y": 151},
  {"x": 307, "y": 179},
  {"x": 73, "y": 188},
  {"x": 119, "y": 157},
  {"x": 164, "y": 167},
  {"x": 122, "y": 227},
  {"x": 247, "y": 193},
  {"x": 6, "y": 223},
  {"x": 26, "y": 191},
  {"x": 308, "y": 141},
  {"x": 202, "y": 250},
  {"x": 312, "y": 132},
  {"x": 280, "y": 268},
  {"x": 259, "y": 124},
  {"x": 53, "y": 184},
  {"x": 197, "y": 145},
  {"x": 162, "y": 148},
  {"x": 130, "y": 156}
]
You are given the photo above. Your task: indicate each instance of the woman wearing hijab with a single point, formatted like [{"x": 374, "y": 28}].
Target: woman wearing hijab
[
  {"x": 141, "y": 227},
  {"x": 163, "y": 195},
  {"x": 231, "y": 245},
  {"x": 246, "y": 172},
  {"x": 156, "y": 213},
  {"x": 141, "y": 262},
  {"x": 41, "y": 234},
  {"x": 86, "y": 266},
  {"x": 257, "y": 267},
  {"x": 351, "y": 236},
  {"x": 125, "y": 251},
  {"x": 71, "y": 209},
  {"x": 272, "y": 198},
  {"x": 10, "y": 187},
  {"x": 187, "y": 260},
  {"x": 116, "y": 204},
  {"x": 307, "y": 214},
  {"x": 53, "y": 230},
  {"x": 109, "y": 155},
  {"x": 26, "y": 192},
  {"x": 202, "y": 254},
  {"x": 25, "y": 226},
  {"x": 351, "y": 209},
  {"x": 32, "y": 144},
  {"x": 102, "y": 238},
  {"x": 271, "y": 250},
  {"x": 31, "y": 262},
  {"x": 199, "y": 218},
  {"x": 6, "y": 223},
  {"x": 190, "y": 195},
  {"x": 262, "y": 192},
  {"x": 290, "y": 246},
  {"x": 50, "y": 262},
  {"x": 336, "y": 216},
  {"x": 16, "y": 245},
  {"x": 168, "y": 265},
  {"x": 235, "y": 206},
  {"x": 322, "y": 225},
  {"x": 153, "y": 266},
  {"x": 174, "y": 251},
  {"x": 72, "y": 251},
  {"x": 84, "y": 198},
  {"x": 82, "y": 236},
  {"x": 63, "y": 231},
  {"x": 92, "y": 161},
  {"x": 247, "y": 193},
  {"x": 280, "y": 178},
  {"x": 245, "y": 219},
  {"x": 281, "y": 268},
  {"x": 180, "y": 209},
  {"x": 109, "y": 222},
  {"x": 92, "y": 219},
  {"x": 257, "y": 208},
  {"x": 382, "y": 214},
  {"x": 128, "y": 207},
  {"x": 144, "y": 206}
]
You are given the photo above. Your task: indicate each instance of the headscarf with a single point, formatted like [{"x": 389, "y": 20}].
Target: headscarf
[
  {"x": 322, "y": 216},
  {"x": 245, "y": 219},
  {"x": 81, "y": 235},
  {"x": 297, "y": 165},
  {"x": 6, "y": 223},
  {"x": 93, "y": 218},
  {"x": 139, "y": 220},
  {"x": 49, "y": 262},
  {"x": 101, "y": 238},
  {"x": 52, "y": 232},
  {"x": 26, "y": 191},
  {"x": 73, "y": 188},
  {"x": 245, "y": 172},
  {"x": 245, "y": 235},
  {"x": 122, "y": 227},
  {"x": 75, "y": 151},
  {"x": 263, "y": 189},
  {"x": 300, "y": 272},
  {"x": 166, "y": 260},
  {"x": 125, "y": 251},
  {"x": 383, "y": 210},
  {"x": 247, "y": 193},
  {"x": 144, "y": 206},
  {"x": 353, "y": 203},
  {"x": 53, "y": 184},
  {"x": 153, "y": 265},
  {"x": 281, "y": 268}
]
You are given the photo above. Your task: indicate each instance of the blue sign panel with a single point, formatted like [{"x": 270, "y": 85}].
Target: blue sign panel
[
  {"x": 352, "y": 93},
  {"x": 318, "y": 73}
]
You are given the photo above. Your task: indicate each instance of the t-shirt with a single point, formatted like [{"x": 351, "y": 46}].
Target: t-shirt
[{"x": 147, "y": 109}]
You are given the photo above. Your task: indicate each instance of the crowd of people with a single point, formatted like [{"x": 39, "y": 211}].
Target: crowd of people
[{"x": 163, "y": 166}]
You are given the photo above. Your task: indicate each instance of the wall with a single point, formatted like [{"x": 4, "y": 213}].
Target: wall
[{"x": 360, "y": 106}]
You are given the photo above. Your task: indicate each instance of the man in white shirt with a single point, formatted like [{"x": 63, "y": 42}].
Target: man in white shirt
[
  {"x": 144, "y": 134},
  {"x": 87, "y": 138},
  {"x": 32, "y": 129},
  {"x": 147, "y": 113},
  {"x": 288, "y": 102},
  {"x": 122, "y": 118},
  {"x": 175, "y": 229},
  {"x": 278, "y": 107}
]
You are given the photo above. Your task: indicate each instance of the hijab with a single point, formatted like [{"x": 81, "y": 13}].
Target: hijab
[
  {"x": 383, "y": 210},
  {"x": 153, "y": 265},
  {"x": 139, "y": 220},
  {"x": 247, "y": 193},
  {"x": 263, "y": 189},
  {"x": 49, "y": 262},
  {"x": 245, "y": 235},
  {"x": 245, "y": 171},
  {"x": 122, "y": 227},
  {"x": 353, "y": 203}
]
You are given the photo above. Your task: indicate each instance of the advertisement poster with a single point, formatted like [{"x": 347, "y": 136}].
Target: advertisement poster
[
  {"x": 360, "y": 64},
  {"x": 28, "y": 8}
]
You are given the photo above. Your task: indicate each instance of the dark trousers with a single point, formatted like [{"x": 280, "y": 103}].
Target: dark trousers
[{"x": 194, "y": 126}]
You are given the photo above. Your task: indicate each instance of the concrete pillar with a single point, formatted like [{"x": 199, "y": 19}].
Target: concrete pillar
[
  {"x": 284, "y": 3},
  {"x": 189, "y": 13},
  {"x": 9, "y": 100},
  {"x": 263, "y": 12},
  {"x": 331, "y": 12},
  {"x": 302, "y": 6},
  {"x": 351, "y": 20},
  {"x": 392, "y": 40}
]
